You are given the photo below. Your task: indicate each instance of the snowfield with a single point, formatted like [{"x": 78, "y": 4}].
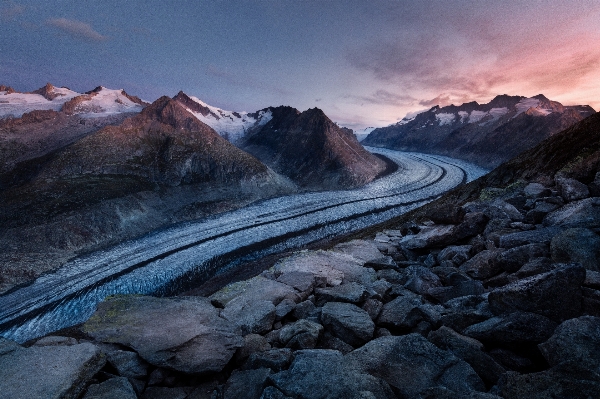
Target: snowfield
[
  {"x": 166, "y": 261},
  {"x": 231, "y": 125}
]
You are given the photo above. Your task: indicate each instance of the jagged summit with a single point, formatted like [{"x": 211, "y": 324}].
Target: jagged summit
[
  {"x": 487, "y": 134},
  {"x": 312, "y": 150}
]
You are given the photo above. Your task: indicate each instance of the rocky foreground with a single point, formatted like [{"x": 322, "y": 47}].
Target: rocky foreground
[{"x": 497, "y": 298}]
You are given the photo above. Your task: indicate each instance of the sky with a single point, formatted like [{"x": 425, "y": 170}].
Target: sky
[{"x": 364, "y": 63}]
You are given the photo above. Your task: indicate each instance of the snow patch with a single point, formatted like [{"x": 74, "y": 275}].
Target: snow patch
[
  {"x": 231, "y": 125},
  {"x": 476, "y": 116},
  {"x": 107, "y": 102},
  {"x": 464, "y": 116},
  {"x": 16, "y": 104},
  {"x": 445, "y": 118},
  {"x": 525, "y": 104}
]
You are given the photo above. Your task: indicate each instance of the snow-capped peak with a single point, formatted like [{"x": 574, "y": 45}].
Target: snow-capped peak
[
  {"x": 229, "y": 124},
  {"x": 103, "y": 101}
]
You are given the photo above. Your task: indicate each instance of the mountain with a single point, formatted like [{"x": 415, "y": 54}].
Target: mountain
[
  {"x": 156, "y": 168},
  {"x": 229, "y": 124},
  {"x": 487, "y": 134},
  {"x": 312, "y": 150},
  {"x": 96, "y": 103}
]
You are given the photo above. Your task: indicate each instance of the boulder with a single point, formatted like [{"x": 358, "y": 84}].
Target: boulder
[
  {"x": 191, "y": 337},
  {"x": 405, "y": 312},
  {"x": 114, "y": 388},
  {"x": 302, "y": 281},
  {"x": 247, "y": 384},
  {"x": 373, "y": 308},
  {"x": 304, "y": 310},
  {"x": 465, "y": 311},
  {"x": 536, "y": 190},
  {"x": 330, "y": 341},
  {"x": 540, "y": 210},
  {"x": 253, "y": 317},
  {"x": 322, "y": 373},
  {"x": 556, "y": 294},
  {"x": 273, "y": 393},
  {"x": 252, "y": 343},
  {"x": 421, "y": 279},
  {"x": 284, "y": 308},
  {"x": 48, "y": 371},
  {"x": 582, "y": 213},
  {"x": 513, "y": 259},
  {"x": 470, "y": 350},
  {"x": 458, "y": 254},
  {"x": 255, "y": 289},
  {"x": 348, "y": 322},
  {"x": 567, "y": 380},
  {"x": 460, "y": 288},
  {"x": 53, "y": 340},
  {"x": 497, "y": 209},
  {"x": 128, "y": 364},
  {"x": 333, "y": 267},
  {"x": 483, "y": 265},
  {"x": 302, "y": 334},
  {"x": 364, "y": 250},
  {"x": 535, "y": 266},
  {"x": 579, "y": 245},
  {"x": 429, "y": 237},
  {"x": 576, "y": 340},
  {"x": 274, "y": 359},
  {"x": 385, "y": 262},
  {"x": 518, "y": 327},
  {"x": 543, "y": 235},
  {"x": 350, "y": 293},
  {"x": 411, "y": 364},
  {"x": 165, "y": 392},
  {"x": 571, "y": 189},
  {"x": 447, "y": 214}
]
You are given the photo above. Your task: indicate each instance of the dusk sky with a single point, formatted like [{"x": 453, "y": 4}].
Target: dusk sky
[{"x": 365, "y": 63}]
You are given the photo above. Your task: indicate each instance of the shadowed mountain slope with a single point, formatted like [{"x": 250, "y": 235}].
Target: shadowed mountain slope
[{"x": 312, "y": 150}]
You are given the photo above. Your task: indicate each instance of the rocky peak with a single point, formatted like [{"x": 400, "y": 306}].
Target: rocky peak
[
  {"x": 504, "y": 101},
  {"x": 7, "y": 89},
  {"x": 194, "y": 106},
  {"x": 171, "y": 112},
  {"x": 48, "y": 92}
]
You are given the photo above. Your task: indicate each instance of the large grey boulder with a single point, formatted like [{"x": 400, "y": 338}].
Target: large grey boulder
[
  {"x": 323, "y": 374},
  {"x": 114, "y": 388},
  {"x": 302, "y": 334},
  {"x": 556, "y": 294},
  {"x": 60, "y": 372},
  {"x": 513, "y": 259},
  {"x": 348, "y": 322},
  {"x": 465, "y": 311},
  {"x": 184, "y": 333},
  {"x": 576, "y": 340},
  {"x": 128, "y": 364},
  {"x": 247, "y": 384},
  {"x": 253, "y": 317},
  {"x": 411, "y": 364},
  {"x": 518, "y": 327},
  {"x": 331, "y": 266},
  {"x": 583, "y": 213},
  {"x": 543, "y": 235},
  {"x": 274, "y": 359},
  {"x": 483, "y": 265},
  {"x": 405, "y": 312},
  {"x": 571, "y": 189},
  {"x": 470, "y": 350},
  {"x": 350, "y": 293},
  {"x": 421, "y": 279},
  {"x": 255, "y": 289},
  {"x": 363, "y": 250},
  {"x": 579, "y": 245}
]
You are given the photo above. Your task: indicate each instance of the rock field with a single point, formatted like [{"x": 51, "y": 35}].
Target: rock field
[{"x": 498, "y": 298}]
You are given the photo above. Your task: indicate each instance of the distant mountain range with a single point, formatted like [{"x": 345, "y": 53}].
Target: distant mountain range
[{"x": 487, "y": 134}]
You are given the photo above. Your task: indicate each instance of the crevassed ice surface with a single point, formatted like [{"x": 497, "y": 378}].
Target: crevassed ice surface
[{"x": 164, "y": 259}]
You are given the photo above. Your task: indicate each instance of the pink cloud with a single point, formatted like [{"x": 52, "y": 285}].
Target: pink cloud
[{"x": 76, "y": 29}]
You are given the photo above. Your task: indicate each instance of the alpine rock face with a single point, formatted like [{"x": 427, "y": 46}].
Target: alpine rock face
[
  {"x": 487, "y": 134},
  {"x": 312, "y": 150}
]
